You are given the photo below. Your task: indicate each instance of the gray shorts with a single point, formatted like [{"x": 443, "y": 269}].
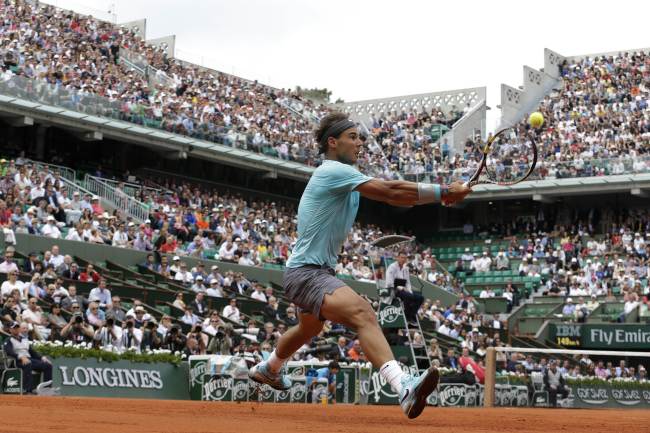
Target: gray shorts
[{"x": 307, "y": 286}]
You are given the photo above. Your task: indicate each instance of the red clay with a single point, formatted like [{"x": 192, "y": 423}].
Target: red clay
[{"x": 97, "y": 415}]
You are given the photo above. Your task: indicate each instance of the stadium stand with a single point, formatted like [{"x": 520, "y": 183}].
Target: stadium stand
[{"x": 506, "y": 280}]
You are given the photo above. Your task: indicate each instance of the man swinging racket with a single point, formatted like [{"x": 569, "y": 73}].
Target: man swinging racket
[{"x": 326, "y": 213}]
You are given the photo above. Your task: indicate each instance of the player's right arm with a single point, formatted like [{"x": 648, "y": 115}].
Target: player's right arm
[{"x": 404, "y": 193}]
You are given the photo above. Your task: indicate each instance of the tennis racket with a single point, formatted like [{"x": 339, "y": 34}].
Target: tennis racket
[{"x": 508, "y": 157}]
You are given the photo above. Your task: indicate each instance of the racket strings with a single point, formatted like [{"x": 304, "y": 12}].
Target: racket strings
[{"x": 510, "y": 157}]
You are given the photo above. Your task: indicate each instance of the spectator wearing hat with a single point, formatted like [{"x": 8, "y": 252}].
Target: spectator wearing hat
[
  {"x": 176, "y": 265},
  {"x": 18, "y": 347},
  {"x": 183, "y": 275},
  {"x": 96, "y": 205},
  {"x": 214, "y": 274},
  {"x": 215, "y": 290},
  {"x": 50, "y": 228},
  {"x": 198, "y": 285},
  {"x": 569, "y": 308}
]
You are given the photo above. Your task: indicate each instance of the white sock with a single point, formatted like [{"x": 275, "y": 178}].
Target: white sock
[
  {"x": 275, "y": 362},
  {"x": 392, "y": 372}
]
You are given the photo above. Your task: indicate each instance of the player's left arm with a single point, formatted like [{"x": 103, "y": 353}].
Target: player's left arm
[{"x": 404, "y": 193}]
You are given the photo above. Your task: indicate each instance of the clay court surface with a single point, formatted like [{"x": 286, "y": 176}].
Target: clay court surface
[{"x": 95, "y": 415}]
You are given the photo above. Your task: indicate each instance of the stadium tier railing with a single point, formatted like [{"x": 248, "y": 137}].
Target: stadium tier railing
[{"x": 120, "y": 199}]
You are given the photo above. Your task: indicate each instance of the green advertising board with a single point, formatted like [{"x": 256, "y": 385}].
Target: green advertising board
[
  {"x": 94, "y": 378},
  {"x": 198, "y": 367},
  {"x": 12, "y": 381},
  {"x": 390, "y": 316},
  {"x": 378, "y": 391},
  {"x": 628, "y": 336},
  {"x": 632, "y": 395}
]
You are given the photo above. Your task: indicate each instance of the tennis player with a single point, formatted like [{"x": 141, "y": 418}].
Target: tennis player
[{"x": 326, "y": 212}]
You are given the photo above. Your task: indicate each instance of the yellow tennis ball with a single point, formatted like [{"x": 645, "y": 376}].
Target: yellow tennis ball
[{"x": 536, "y": 119}]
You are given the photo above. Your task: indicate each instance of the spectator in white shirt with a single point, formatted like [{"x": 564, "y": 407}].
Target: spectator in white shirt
[
  {"x": 8, "y": 265},
  {"x": 75, "y": 234},
  {"x": 50, "y": 229},
  {"x": 120, "y": 238},
  {"x": 101, "y": 294},
  {"x": 487, "y": 293},
  {"x": 258, "y": 293},
  {"x": 56, "y": 259},
  {"x": 227, "y": 251},
  {"x": 198, "y": 285},
  {"x": 183, "y": 275},
  {"x": 231, "y": 311},
  {"x": 12, "y": 284},
  {"x": 34, "y": 316},
  {"x": 215, "y": 289}
]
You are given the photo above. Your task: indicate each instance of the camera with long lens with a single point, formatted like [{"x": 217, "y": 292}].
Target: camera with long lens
[{"x": 78, "y": 319}]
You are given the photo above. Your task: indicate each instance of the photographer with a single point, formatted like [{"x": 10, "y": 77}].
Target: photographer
[
  {"x": 223, "y": 341},
  {"x": 150, "y": 338},
  {"x": 77, "y": 330},
  {"x": 174, "y": 341},
  {"x": 131, "y": 336},
  {"x": 109, "y": 334}
]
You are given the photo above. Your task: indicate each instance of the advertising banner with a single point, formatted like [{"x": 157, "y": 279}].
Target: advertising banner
[
  {"x": 628, "y": 336},
  {"x": 93, "y": 378}
]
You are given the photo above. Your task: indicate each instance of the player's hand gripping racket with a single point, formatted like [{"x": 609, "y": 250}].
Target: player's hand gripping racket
[{"x": 509, "y": 157}]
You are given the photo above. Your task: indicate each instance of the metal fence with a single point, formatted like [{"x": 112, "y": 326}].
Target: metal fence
[{"x": 129, "y": 206}]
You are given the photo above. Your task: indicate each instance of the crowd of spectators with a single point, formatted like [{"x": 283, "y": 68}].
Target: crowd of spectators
[
  {"x": 599, "y": 113},
  {"x": 42, "y": 298}
]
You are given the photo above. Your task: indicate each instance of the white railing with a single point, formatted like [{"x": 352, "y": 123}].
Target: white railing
[
  {"x": 64, "y": 172},
  {"x": 119, "y": 199},
  {"x": 130, "y": 188}
]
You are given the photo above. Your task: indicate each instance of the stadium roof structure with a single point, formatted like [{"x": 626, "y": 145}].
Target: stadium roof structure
[
  {"x": 548, "y": 190},
  {"x": 92, "y": 127}
]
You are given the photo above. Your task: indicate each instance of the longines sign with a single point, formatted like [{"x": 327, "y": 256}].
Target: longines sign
[
  {"x": 110, "y": 377},
  {"x": 89, "y": 377}
]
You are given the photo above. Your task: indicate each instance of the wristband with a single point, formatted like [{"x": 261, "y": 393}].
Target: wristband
[
  {"x": 444, "y": 190},
  {"x": 428, "y": 193}
]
